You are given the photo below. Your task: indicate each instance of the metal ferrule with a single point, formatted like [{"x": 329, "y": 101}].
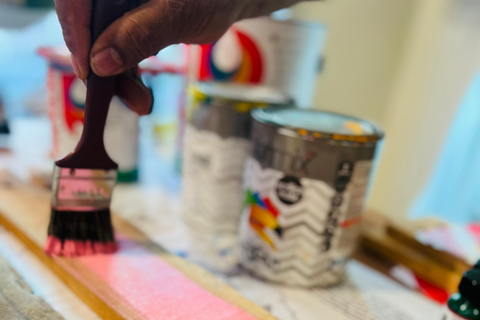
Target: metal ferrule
[{"x": 82, "y": 189}]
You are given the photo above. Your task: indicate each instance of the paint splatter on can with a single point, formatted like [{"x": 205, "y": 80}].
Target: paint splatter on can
[
  {"x": 281, "y": 54},
  {"x": 215, "y": 148},
  {"x": 305, "y": 183},
  {"x": 66, "y": 103}
]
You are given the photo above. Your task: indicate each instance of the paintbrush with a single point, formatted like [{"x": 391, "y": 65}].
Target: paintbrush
[{"x": 83, "y": 182}]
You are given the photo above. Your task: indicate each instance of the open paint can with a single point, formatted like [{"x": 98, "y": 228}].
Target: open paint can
[
  {"x": 216, "y": 145},
  {"x": 306, "y": 182}
]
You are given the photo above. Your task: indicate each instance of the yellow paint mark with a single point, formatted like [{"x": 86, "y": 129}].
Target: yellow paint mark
[
  {"x": 303, "y": 132},
  {"x": 355, "y": 127},
  {"x": 245, "y": 71},
  {"x": 243, "y": 107}
]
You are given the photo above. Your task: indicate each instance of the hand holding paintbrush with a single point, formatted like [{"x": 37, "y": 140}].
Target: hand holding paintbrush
[{"x": 83, "y": 181}]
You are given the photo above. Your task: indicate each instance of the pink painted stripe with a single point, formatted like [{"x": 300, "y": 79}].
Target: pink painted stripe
[{"x": 156, "y": 289}]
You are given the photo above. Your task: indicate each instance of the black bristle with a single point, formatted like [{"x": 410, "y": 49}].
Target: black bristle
[{"x": 94, "y": 226}]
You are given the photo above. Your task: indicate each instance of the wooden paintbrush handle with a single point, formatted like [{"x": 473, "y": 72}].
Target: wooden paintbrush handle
[{"x": 90, "y": 152}]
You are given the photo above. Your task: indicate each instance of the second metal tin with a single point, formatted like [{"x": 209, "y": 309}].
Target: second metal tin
[
  {"x": 305, "y": 184},
  {"x": 216, "y": 145}
]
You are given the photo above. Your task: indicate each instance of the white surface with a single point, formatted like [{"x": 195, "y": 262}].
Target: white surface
[{"x": 365, "y": 295}]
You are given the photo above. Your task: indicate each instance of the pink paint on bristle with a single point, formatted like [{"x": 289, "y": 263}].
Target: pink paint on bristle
[
  {"x": 89, "y": 248},
  {"x": 156, "y": 289},
  {"x": 72, "y": 248},
  {"x": 69, "y": 248},
  {"x": 98, "y": 247},
  {"x": 80, "y": 247},
  {"x": 49, "y": 245},
  {"x": 109, "y": 247},
  {"x": 112, "y": 247},
  {"x": 53, "y": 246}
]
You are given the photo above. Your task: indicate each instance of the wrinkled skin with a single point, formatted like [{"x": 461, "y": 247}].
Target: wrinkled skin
[{"x": 144, "y": 31}]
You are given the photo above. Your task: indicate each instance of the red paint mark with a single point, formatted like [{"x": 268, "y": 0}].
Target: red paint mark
[
  {"x": 351, "y": 222},
  {"x": 250, "y": 48},
  {"x": 72, "y": 113},
  {"x": 474, "y": 229},
  {"x": 205, "y": 73},
  {"x": 271, "y": 207},
  {"x": 157, "y": 290},
  {"x": 431, "y": 291}
]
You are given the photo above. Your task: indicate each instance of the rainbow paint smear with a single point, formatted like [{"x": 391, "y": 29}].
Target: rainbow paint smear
[
  {"x": 263, "y": 216},
  {"x": 250, "y": 68}
]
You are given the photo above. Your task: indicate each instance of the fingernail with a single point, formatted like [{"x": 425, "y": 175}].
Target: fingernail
[
  {"x": 106, "y": 62},
  {"x": 76, "y": 68}
]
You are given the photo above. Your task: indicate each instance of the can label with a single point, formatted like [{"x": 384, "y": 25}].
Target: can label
[
  {"x": 212, "y": 195},
  {"x": 301, "y": 231},
  {"x": 280, "y": 54},
  {"x": 66, "y": 95},
  {"x": 213, "y": 169}
]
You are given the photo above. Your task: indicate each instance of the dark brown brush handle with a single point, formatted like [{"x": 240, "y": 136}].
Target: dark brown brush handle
[{"x": 90, "y": 152}]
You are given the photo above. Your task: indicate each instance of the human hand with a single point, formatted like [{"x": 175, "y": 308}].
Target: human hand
[{"x": 144, "y": 31}]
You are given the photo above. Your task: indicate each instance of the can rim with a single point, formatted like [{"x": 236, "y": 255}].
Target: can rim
[
  {"x": 312, "y": 135},
  {"x": 298, "y": 22},
  {"x": 236, "y": 92}
]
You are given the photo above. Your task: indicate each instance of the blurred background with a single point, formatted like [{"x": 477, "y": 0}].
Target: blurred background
[{"x": 410, "y": 66}]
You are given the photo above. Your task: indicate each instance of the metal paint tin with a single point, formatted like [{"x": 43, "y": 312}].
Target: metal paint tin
[
  {"x": 215, "y": 148},
  {"x": 281, "y": 54},
  {"x": 305, "y": 183}
]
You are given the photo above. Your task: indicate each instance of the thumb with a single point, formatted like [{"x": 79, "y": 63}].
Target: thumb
[
  {"x": 127, "y": 42},
  {"x": 146, "y": 30}
]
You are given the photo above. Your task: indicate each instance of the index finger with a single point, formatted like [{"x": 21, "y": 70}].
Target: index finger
[{"x": 74, "y": 17}]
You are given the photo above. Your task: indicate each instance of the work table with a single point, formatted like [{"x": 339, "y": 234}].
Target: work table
[{"x": 153, "y": 208}]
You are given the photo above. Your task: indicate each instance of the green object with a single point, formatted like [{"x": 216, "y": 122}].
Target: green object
[
  {"x": 39, "y": 3},
  {"x": 477, "y": 266},
  {"x": 466, "y": 303},
  {"x": 249, "y": 199},
  {"x": 127, "y": 176}
]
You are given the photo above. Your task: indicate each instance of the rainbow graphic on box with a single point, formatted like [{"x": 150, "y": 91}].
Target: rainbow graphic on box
[{"x": 248, "y": 69}]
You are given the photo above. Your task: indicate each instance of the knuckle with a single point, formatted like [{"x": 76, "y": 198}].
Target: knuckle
[{"x": 139, "y": 37}]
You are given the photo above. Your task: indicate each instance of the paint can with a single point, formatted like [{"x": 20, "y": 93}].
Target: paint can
[
  {"x": 217, "y": 142},
  {"x": 281, "y": 54},
  {"x": 66, "y": 103},
  {"x": 305, "y": 183}
]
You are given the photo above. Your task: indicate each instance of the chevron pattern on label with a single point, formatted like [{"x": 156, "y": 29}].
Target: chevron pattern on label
[
  {"x": 213, "y": 170},
  {"x": 284, "y": 242}
]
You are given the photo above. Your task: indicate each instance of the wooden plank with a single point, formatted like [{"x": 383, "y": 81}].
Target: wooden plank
[
  {"x": 378, "y": 243},
  {"x": 142, "y": 281},
  {"x": 394, "y": 241},
  {"x": 446, "y": 259},
  {"x": 17, "y": 300}
]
